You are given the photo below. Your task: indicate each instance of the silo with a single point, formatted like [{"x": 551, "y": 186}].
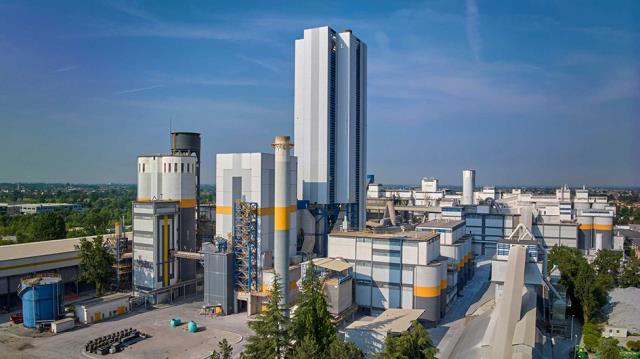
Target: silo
[
  {"x": 468, "y": 184},
  {"x": 188, "y": 144},
  {"x": 462, "y": 280},
  {"x": 281, "y": 146},
  {"x": 443, "y": 287},
  {"x": 144, "y": 178},
  {"x": 426, "y": 290},
  {"x": 603, "y": 227},
  {"x": 42, "y": 299},
  {"x": 585, "y": 231}
]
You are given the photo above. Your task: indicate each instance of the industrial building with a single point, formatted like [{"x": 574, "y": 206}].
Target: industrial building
[
  {"x": 35, "y": 208},
  {"x": 164, "y": 220},
  {"x": 370, "y": 335},
  {"x": 330, "y": 126},
  {"x": 406, "y": 269},
  {"x": 102, "y": 308},
  {"x": 59, "y": 256},
  {"x": 571, "y": 218}
]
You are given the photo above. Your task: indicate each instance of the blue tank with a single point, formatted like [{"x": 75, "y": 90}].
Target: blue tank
[{"x": 42, "y": 299}]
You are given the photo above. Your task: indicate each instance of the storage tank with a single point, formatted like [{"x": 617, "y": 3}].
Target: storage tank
[
  {"x": 443, "y": 287},
  {"x": 426, "y": 290},
  {"x": 145, "y": 174},
  {"x": 585, "y": 232},
  {"x": 603, "y": 227},
  {"x": 468, "y": 184},
  {"x": 462, "y": 279},
  {"x": 42, "y": 299},
  {"x": 188, "y": 144}
]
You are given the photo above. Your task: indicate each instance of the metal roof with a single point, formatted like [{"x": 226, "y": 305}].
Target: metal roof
[
  {"x": 42, "y": 248},
  {"x": 441, "y": 223},
  {"x": 391, "y": 320},
  {"x": 337, "y": 265},
  {"x": 409, "y": 235}
]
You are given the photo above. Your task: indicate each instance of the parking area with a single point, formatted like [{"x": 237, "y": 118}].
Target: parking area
[{"x": 166, "y": 342}]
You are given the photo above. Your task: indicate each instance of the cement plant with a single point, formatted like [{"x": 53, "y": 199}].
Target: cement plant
[{"x": 476, "y": 266}]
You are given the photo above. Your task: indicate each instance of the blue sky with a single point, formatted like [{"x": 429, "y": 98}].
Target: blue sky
[{"x": 540, "y": 92}]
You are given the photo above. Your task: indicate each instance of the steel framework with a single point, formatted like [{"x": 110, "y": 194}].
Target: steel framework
[{"x": 245, "y": 245}]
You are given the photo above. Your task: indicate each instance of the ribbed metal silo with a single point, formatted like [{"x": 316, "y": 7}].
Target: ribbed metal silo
[{"x": 42, "y": 299}]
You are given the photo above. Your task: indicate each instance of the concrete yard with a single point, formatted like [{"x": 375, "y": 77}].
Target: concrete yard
[{"x": 166, "y": 342}]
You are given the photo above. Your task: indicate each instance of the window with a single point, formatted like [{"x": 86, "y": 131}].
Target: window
[
  {"x": 175, "y": 167},
  {"x": 165, "y": 168},
  {"x": 182, "y": 167},
  {"x": 143, "y": 167},
  {"x": 169, "y": 167}
]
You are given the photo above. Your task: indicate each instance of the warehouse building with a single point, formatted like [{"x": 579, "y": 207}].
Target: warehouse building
[{"x": 369, "y": 334}]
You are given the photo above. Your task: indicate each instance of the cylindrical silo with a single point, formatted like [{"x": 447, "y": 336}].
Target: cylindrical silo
[
  {"x": 144, "y": 178},
  {"x": 603, "y": 227},
  {"x": 426, "y": 290},
  {"x": 187, "y": 144},
  {"x": 443, "y": 287},
  {"x": 462, "y": 280},
  {"x": 585, "y": 231},
  {"x": 281, "y": 146},
  {"x": 468, "y": 184},
  {"x": 42, "y": 299}
]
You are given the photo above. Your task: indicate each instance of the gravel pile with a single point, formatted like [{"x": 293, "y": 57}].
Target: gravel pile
[{"x": 624, "y": 308}]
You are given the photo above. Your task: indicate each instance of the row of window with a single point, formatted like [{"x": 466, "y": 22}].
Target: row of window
[{"x": 170, "y": 167}]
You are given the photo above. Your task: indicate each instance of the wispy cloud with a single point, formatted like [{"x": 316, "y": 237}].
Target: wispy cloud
[
  {"x": 139, "y": 89},
  {"x": 473, "y": 36},
  {"x": 262, "y": 63},
  {"x": 65, "y": 68}
]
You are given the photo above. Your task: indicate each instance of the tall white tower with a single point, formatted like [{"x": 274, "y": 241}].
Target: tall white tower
[
  {"x": 331, "y": 120},
  {"x": 468, "y": 184}
]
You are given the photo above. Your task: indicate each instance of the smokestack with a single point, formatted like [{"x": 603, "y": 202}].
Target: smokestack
[
  {"x": 468, "y": 184},
  {"x": 281, "y": 146}
]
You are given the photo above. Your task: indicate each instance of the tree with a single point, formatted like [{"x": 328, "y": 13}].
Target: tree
[
  {"x": 634, "y": 345},
  {"x": 607, "y": 263},
  {"x": 307, "y": 349},
  {"x": 312, "y": 318},
  {"x": 271, "y": 339},
  {"x": 630, "y": 276},
  {"x": 96, "y": 263},
  {"x": 226, "y": 351},
  {"x": 414, "y": 343},
  {"x": 48, "y": 226},
  {"x": 609, "y": 349},
  {"x": 591, "y": 336},
  {"x": 340, "y": 349}
]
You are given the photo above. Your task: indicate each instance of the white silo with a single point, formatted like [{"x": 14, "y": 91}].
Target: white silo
[{"x": 468, "y": 184}]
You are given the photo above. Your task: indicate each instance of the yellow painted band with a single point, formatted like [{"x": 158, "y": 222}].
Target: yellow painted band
[
  {"x": 597, "y": 227},
  {"x": 443, "y": 284},
  {"x": 281, "y": 218},
  {"x": 266, "y": 211},
  {"x": 38, "y": 263},
  {"x": 165, "y": 237},
  {"x": 426, "y": 292},
  {"x": 184, "y": 203},
  {"x": 265, "y": 288},
  {"x": 293, "y": 284}
]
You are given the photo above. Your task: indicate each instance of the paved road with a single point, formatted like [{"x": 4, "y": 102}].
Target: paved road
[{"x": 446, "y": 335}]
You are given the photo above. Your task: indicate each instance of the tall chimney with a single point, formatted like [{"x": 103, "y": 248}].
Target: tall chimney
[
  {"x": 281, "y": 145},
  {"x": 468, "y": 184}
]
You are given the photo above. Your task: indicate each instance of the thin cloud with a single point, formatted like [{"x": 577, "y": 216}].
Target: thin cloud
[
  {"x": 472, "y": 29},
  {"x": 260, "y": 63},
  {"x": 140, "y": 89},
  {"x": 65, "y": 68}
]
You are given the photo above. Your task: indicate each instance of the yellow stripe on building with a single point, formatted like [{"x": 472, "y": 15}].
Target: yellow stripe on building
[
  {"x": 281, "y": 218},
  {"x": 266, "y": 211},
  {"x": 597, "y": 227},
  {"x": 426, "y": 292},
  {"x": 165, "y": 237},
  {"x": 183, "y": 203},
  {"x": 443, "y": 284}
]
